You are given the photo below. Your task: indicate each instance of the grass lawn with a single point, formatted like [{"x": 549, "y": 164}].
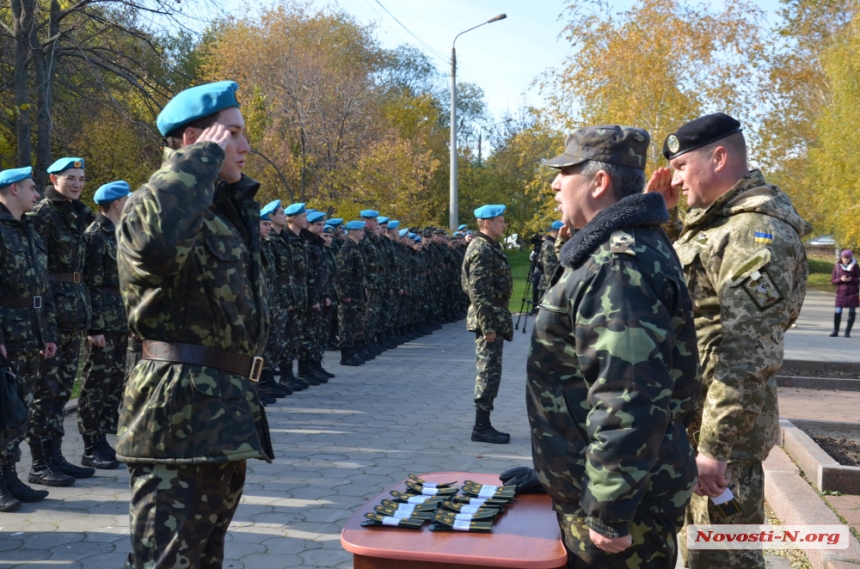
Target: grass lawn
[{"x": 820, "y": 270}]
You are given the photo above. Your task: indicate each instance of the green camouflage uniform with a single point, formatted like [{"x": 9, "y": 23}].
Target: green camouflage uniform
[
  {"x": 487, "y": 278},
  {"x": 746, "y": 269},
  {"x": 376, "y": 285},
  {"x": 276, "y": 304},
  {"x": 298, "y": 249},
  {"x": 548, "y": 260},
  {"x": 350, "y": 279},
  {"x": 329, "y": 312},
  {"x": 281, "y": 327},
  {"x": 310, "y": 349},
  {"x": 62, "y": 224},
  {"x": 613, "y": 383},
  {"x": 24, "y": 329},
  {"x": 104, "y": 370},
  {"x": 190, "y": 272}
]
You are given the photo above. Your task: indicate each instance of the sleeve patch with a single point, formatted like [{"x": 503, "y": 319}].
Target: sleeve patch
[
  {"x": 762, "y": 290},
  {"x": 622, "y": 242}
]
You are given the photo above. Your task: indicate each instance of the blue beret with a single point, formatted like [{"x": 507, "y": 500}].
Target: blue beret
[
  {"x": 368, "y": 213},
  {"x": 469, "y": 232},
  {"x": 316, "y": 216},
  {"x": 334, "y": 221},
  {"x": 268, "y": 209},
  {"x": 393, "y": 224},
  {"x": 556, "y": 225},
  {"x": 354, "y": 224},
  {"x": 65, "y": 164},
  {"x": 381, "y": 220},
  {"x": 462, "y": 227},
  {"x": 111, "y": 191},
  {"x": 196, "y": 103},
  {"x": 294, "y": 209},
  {"x": 458, "y": 234},
  {"x": 403, "y": 232},
  {"x": 489, "y": 211},
  {"x": 328, "y": 229},
  {"x": 15, "y": 175},
  {"x": 417, "y": 239}
]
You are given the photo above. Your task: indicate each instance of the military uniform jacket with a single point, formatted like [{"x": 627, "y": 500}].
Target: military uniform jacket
[
  {"x": 331, "y": 274},
  {"x": 746, "y": 269},
  {"x": 374, "y": 261},
  {"x": 102, "y": 278},
  {"x": 317, "y": 275},
  {"x": 613, "y": 373},
  {"x": 300, "y": 265},
  {"x": 351, "y": 271},
  {"x": 486, "y": 278},
  {"x": 62, "y": 224},
  {"x": 270, "y": 271},
  {"x": 283, "y": 265},
  {"x": 548, "y": 261},
  {"x": 190, "y": 271},
  {"x": 24, "y": 275}
]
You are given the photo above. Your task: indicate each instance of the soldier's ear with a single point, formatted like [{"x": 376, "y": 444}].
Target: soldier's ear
[{"x": 601, "y": 185}]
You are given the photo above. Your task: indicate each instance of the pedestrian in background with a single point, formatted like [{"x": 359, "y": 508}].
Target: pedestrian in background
[{"x": 846, "y": 277}]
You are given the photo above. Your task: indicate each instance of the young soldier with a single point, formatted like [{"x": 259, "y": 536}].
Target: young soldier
[
  {"x": 192, "y": 281},
  {"x": 61, "y": 220},
  {"x": 268, "y": 388},
  {"x": 486, "y": 277},
  {"x": 104, "y": 369},
  {"x": 612, "y": 373},
  {"x": 28, "y": 327},
  {"x": 351, "y": 279}
]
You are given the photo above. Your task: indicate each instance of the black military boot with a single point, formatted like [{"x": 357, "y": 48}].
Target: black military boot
[
  {"x": 837, "y": 320},
  {"x": 265, "y": 399},
  {"x": 483, "y": 431},
  {"x": 272, "y": 388},
  {"x": 321, "y": 370},
  {"x": 21, "y": 491},
  {"x": 43, "y": 470},
  {"x": 109, "y": 450},
  {"x": 289, "y": 379},
  {"x": 305, "y": 374},
  {"x": 8, "y": 501},
  {"x": 95, "y": 456},
  {"x": 850, "y": 324},
  {"x": 315, "y": 369},
  {"x": 349, "y": 357},
  {"x": 64, "y": 465}
]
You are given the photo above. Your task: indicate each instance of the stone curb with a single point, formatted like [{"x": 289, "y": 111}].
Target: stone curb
[
  {"x": 831, "y": 383},
  {"x": 811, "y": 365},
  {"x": 823, "y": 471},
  {"x": 71, "y": 407},
  {"x": 796, "y": 503}
]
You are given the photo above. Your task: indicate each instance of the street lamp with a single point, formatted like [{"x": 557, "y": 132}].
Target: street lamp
[{"x": 453, "y": 198}]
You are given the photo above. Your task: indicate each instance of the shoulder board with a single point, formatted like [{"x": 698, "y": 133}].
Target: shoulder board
[{"x": 621, "y": 242}]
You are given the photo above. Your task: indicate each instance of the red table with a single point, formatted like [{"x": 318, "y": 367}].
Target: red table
[{"x": 525, "y": 536}]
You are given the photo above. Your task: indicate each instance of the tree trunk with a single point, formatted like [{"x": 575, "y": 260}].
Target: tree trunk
[
  {"x": 44, "y": 66},
  {"x": 24, "y": 26}
]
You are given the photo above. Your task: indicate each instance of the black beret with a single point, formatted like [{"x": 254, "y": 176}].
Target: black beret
[{"x": 698, "y": 133}]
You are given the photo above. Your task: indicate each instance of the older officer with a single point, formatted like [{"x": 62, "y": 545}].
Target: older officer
[
  {"x": 28, "y": 327},
  {"x": 613, "y": 377},
  {"x": 61, "y": 220},
  {"x": 746, "y": 269},
  {"x": 486, "y": 278},
  {"x": 192, "y": 280},
  {"x": 104, "y": 370}
]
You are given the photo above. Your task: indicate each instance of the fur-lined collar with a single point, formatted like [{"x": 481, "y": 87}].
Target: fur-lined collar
[{"x": 632, "y": 211}]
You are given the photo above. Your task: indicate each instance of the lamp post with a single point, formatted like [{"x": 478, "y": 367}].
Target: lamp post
[{"x": 453, "y": 197}]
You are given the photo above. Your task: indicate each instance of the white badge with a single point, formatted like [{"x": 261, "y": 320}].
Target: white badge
[
  {"x": 404, "y": 511},
  {"x": 469, "y": 509},
  {"x": 464, "y": 517},
  {"x": 390, "y": 521},
  {"x": 461, "y": 525},
  {"x": 487, "y": 491},
  {"x": 430, "y": 485},
  {"x": 429, "y": 491},
  {"x": 477, "y": 501},
  {"x": 417, "y": 499}
]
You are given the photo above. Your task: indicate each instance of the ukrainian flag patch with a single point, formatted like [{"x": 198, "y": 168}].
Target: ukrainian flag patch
[{"x": 762, "y": 237}]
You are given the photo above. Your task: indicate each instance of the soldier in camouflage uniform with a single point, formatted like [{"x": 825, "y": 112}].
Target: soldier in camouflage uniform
[
  {"x": 352, "y": 294},
  {"x": 376, "y": 284},
  {"x": 104, "y": 369},
  {"x": 297, "y": 221},
  {"x": 548, "y": 259},
  {"x": 28, "y": 328},
  {"x": 61, "y": 220},
  {"x": 613, "y": 372},
  {"x": 329, "y": 315},
  {"x": 192, "y": 281},
  {"x": 486, "y": 277},
  {"x": 269, "y": 389},
  {"x": 746, "y": 268},
  {"x": 310, "y": 352}
]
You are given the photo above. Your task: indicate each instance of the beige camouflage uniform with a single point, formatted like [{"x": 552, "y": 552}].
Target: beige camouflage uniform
[{"x": 746, "y": 271}]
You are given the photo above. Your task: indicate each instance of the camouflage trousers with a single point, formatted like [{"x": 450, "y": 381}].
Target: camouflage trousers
[
  {"x": 179, "y": 514},
  {"x": 103, "y": 382},
  {"x": 276, "y": 341},
  {"x": 309, "y": 350},
  {"x": 349, "y": 315},
  {"x": 372, "y": 316},
  {"x": 746, "y": 481},
  {"x": 329, "y": 315},
  {"x": 654, "y": 543},
  {"x": 293, "y": 335},
  {"x": 26, "y": 365},
  {"x": 55, "y": 388},
  {"x": 489, "y": 364}
]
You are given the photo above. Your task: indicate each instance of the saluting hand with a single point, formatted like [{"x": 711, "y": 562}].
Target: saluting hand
[
  {"x": 216, "y": 133},
  {"x": 661, "y": 182}
]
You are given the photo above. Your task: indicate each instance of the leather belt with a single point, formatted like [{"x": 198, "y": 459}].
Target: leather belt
[
  {"x": 195, "y": 354},
  {"x": 20, "y": 302},
  {"x": 110, "y": 290},
  {"x": 65, "y": 277}
]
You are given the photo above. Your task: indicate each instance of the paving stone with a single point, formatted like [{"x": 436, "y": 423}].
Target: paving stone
[{"x": 267, "y": 561}]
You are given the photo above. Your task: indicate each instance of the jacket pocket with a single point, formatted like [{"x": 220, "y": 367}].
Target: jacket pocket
[{"x": 224, "y": 247}]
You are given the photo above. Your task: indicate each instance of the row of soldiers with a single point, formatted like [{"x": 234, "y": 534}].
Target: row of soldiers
[
  {"x": 59, "y": 301},
  {"x": 360, "y": 287}
]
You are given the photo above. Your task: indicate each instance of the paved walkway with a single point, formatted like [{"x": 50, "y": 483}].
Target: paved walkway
[
  {"x": 810, "y": 339},
  {"x": 337, "y": 446}
]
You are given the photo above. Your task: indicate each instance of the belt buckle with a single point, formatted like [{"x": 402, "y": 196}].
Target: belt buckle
[
  {"x": 37, "y": 302},
  {"x": 256, "y": 369},
  {"x": 76, "y": 277}
]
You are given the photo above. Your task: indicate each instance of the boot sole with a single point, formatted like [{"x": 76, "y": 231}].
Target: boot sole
[
  {"x": 53, "y": 484},
  {"x": 78, "y": 475},
  {"x": 480, "y": 439},
  {"x": 29, "y": 499},
  {"x": 92, "y": 464},
  {"x": 11, "y": 507}
]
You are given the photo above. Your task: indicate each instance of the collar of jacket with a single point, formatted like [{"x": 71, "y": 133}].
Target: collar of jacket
[
  {"x": 485, "y": 237},
  {"x": 6, "y": 215},
  {"x": 632, "y": 211},
  {"x": 105, "y": 223},
  {"x": 58, "y": 200}
]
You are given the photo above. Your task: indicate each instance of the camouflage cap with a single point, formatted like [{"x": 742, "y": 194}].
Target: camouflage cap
[{"x": 622, "y": 145}]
